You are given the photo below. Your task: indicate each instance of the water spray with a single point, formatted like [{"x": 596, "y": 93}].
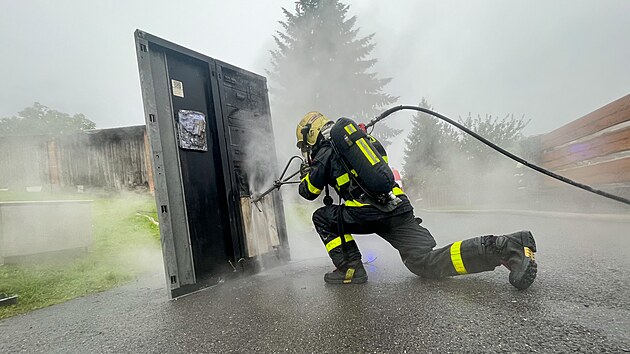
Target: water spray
[{"x": 279, "y": 182}]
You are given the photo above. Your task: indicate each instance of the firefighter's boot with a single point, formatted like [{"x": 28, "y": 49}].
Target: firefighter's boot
[
  {"x": 352, "y": 273},
  {"x": 517, "y": 254}
]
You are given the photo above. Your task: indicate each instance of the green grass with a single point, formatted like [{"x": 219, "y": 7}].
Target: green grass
[{"x": 125, "y": 246}]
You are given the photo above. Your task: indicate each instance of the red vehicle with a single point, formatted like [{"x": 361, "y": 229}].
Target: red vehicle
[{"x": 397, "y": 177}]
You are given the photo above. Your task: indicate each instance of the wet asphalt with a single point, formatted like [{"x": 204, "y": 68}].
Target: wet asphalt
[{"x": 580, "y": 302}]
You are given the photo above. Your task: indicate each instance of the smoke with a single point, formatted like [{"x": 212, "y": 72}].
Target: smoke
[
  {"x": 256, "y": 172},
  {"x": 321, "y": 64},
  {"x": 500, "y": 183},
  {"x": 142, "y": 260}
]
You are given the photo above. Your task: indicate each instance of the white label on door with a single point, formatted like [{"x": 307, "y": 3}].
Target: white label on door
[{"x": 178, "y": 88}]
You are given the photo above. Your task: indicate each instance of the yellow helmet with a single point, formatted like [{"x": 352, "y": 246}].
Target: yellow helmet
[{"x": 315, "y": 121}]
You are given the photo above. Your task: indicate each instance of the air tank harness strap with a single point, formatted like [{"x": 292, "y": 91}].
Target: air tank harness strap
[{"x": 328, "y": 199}]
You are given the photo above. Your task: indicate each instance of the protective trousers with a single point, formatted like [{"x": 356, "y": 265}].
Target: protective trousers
[{"x": 414, "y": 242}]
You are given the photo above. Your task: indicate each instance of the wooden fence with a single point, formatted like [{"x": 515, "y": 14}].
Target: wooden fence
[
  {"x": 594, "y": 149},
  {"x": 112, "y": 159}
]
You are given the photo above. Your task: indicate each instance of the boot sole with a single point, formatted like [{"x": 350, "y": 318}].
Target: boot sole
[
  {"x": 523, "y": 280},
  {"x": 527, "y": 278},
  {"x": 360, "y": 280},
  {"x": 528, "y": 240}
]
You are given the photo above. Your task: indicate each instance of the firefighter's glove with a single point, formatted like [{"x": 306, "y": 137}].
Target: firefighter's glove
[{"x": 304, "y": 170}]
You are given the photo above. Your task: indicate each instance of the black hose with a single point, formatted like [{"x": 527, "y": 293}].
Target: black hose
[{"x": 500, "y": 150}]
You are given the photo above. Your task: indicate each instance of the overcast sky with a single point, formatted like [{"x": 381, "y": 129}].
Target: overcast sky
[{"x": 552, "y": 61}]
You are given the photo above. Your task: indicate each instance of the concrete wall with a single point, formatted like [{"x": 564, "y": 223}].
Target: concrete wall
[{"x": 35, "y": 228}]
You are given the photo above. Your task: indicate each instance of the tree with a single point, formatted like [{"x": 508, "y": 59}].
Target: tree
[
  {"x": 427, "y": 149},
  {"x": 39, "y": 119},
  {"x": 506, "y": 133},
  {"x": 437, "y": 154},
  {"x": 320, "y": 64}
]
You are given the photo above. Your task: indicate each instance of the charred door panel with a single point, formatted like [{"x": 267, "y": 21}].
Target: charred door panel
[
  {"x": 249, "y": 125},
  {"x": 254, "y": 163}
]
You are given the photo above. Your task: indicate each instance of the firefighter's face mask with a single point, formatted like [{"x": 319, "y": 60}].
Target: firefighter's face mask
[{"x": 305, "y": 148}]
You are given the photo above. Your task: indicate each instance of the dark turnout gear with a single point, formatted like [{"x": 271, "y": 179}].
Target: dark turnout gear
[
  {"x": 415, "y": 245},
  {"x": 361, "y": 220},
  {"x": 397, "y": 225}
]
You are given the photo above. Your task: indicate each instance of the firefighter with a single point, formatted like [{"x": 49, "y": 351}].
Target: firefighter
[{"x": 394, "y": 221}]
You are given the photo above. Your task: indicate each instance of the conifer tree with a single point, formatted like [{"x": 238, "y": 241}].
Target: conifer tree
[
  {"x": 427, "y": 149},
  {"x": 437, "y": 154},
  {"x": 321, "y": 64}
]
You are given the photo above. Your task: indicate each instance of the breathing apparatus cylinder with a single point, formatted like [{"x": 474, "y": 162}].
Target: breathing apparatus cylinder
[{"x": 365, "y": 163}]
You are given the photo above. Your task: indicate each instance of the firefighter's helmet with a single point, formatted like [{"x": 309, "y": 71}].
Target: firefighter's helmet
[{"x": 310, "y": 126}]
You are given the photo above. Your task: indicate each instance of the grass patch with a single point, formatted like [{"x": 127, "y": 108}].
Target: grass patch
[{"x": 125, "y": 245}]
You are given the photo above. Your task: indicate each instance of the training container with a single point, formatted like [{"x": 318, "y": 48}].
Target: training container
[{"x": 209, "y": 128}]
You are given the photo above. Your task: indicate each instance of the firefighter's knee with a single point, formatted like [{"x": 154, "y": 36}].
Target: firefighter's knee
[
  {"x": 319, "y": 218},
  {"x": 317, "y": 215},
  {"x": 324, "y": 221}
]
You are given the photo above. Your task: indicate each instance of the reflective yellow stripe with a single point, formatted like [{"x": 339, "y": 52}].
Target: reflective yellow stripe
[
  {"x": 456, "y": 258},
  {"x": 386, "y": 159},
  {"x": 350, "y": 128},
  {"x": 367, "y": 151},
  {"x": 354, "y": 203},
  {"x": 397, "y": 191},
  {"x": 349, "y": 275},
  {"x": 311, "y": 187},
  {"x": 336, "y": 242},
  {"x": 354, "y": 173},
  {"x": 343, "y": 179}
]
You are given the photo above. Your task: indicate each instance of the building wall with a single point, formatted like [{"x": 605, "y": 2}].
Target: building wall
[
  {"x": 112, "y": 159},
  {"x": 594, "y": 149},
  {"x": 23, "y": 161}
]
